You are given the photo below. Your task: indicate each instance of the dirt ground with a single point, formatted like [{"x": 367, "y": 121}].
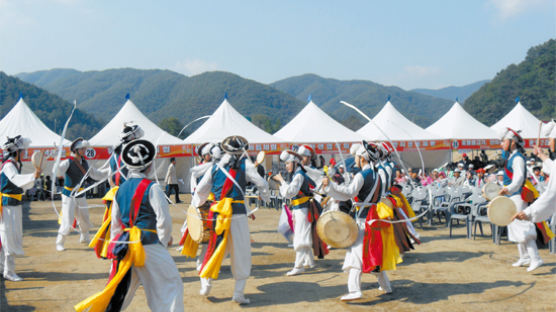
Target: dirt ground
[{"x": 442, "y": 274}]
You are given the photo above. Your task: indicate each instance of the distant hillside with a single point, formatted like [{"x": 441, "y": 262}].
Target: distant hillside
[
  {"x": 162, "y": 94},
  {"x": 50, "y": 108},
  {"x": 451, "y": 93},
  {"x": 532, "y": 80},
  {"x": 370, "y": 97}
]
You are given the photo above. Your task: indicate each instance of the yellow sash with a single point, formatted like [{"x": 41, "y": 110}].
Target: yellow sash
[
  {"x": 135, "y": 256},
  {"x": 299, "y": 201},
  {"x": 390, "y": 250},
  {"x": 223, "y": 223},
  {"x": 14, "y": 196}
]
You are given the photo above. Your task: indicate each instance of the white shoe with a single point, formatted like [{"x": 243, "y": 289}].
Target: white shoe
[
  {"x": 388, "y": 291},
  {"x": 12, "y": 277},
  {"x": 241, "y": 299},
  {"x": 205, "y": 290},
  {"x": 521, "y": 262},
  {"x": 534, "y": 265},
  {"x": 295, "y": 271},
  {"x": 84, "y": 239},
  {"x": 352, "y": 296},
  {"x": 60, "y": 242}
]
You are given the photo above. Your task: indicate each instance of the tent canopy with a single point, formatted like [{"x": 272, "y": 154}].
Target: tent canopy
[
  {"x": 110, "y": 134},
  {"x": 395, "y": 125},
  {"x": 312, "y": 125},
  {"x": 21, "y": 120},
  {"x": 226, "y": 121},
  {"x": 519, "y": 118},
  {"x": 459, "y": 124}
]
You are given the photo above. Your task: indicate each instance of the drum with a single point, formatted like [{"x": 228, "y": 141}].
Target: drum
[
  {"x": 337, "y": 229},
  {"x": 501, "y": 210},
  {"x": 36, "y": 159},
  {"x": 197, "y": 223},
  {"x": 490, "y": 190}
]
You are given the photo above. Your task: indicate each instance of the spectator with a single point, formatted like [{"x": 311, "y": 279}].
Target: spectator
[{"x": 171, "y": 180}]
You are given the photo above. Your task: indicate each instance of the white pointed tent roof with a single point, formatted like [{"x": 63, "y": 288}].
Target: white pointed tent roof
[
  {"x": 395, "y": 126},
  {"x": 21, "y": 120},
  {"x": 519, "y": 118},
  {"x": 110, "y": 134},
  {"x": 459, "y": 124},
  {"x": 226, "y": 121},
  {"x": 312, "y": 125}
]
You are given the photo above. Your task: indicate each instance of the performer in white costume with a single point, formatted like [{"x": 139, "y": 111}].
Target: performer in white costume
[
  {"x": 13, "y": 185},
  {"x": 74, "y": 169},
  {"x": 520, "y": 231},
  {"x": 141, "y": 230},
  {"x": 227, "y": 181},
  {"x": 299, "y": 192}
]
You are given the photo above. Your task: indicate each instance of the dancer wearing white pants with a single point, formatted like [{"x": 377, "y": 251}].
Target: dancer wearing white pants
[
  {"x": 520, "y": 231},
  {"x": 13, "y": 185},
  {"x": 74, "y": 169},
  {"x": 299, "y": 192}
]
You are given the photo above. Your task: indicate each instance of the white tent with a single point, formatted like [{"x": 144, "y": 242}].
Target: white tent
[
  {"x": 396, "y": 126},
  {"x": 21, "y": 120},
  {"x": 312, "y": 125},
  {"x": 459, "y": 124},
  {"x": 226, "y": 121},
  {"x": 519, "y": 118},
  {"x": 110, "y": 134}
]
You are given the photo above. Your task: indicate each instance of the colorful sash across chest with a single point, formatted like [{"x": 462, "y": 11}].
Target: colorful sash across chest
[{"x": 127, "y": 251}]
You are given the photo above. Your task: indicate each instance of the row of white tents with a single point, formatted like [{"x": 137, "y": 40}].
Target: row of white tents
[{"x": 311, "y": 125}]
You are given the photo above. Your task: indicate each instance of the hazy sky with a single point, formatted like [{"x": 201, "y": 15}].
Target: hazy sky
[{"x": 429, "y": 44}]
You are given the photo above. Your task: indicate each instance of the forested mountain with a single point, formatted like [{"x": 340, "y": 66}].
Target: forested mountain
[
  {"x": 50, "y": 108},
  {"x": 370, "y": 97},
  {"x": 163, "y": 94},
  {"x": 452, "y": 92},
  {"x": 532, "y": 80}
]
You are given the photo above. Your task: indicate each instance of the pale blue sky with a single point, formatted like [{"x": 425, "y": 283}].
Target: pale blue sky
[{"x": 411, "y": 44}]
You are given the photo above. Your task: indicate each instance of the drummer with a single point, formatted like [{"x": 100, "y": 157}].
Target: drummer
[
  {"x": 520, "y": 231},
  {"x": 297, "y": 188},
  {"x": 209, "y": 152},
  {"x": 364, "y": 188},
  {"x": 13, "y": 185}
]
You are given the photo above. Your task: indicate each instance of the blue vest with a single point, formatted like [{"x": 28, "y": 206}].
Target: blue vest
[
  {"x": 73, "y": 176},
  {"x": 370, "y": 178},
  {"x": 218, "y": 179},
  {"x": 305, "y": 189},
  {"x": 114, "y": 160},
  {"x": 508, "y": 166},
  {"x": 146, "y": 218},
  {"x": 7, "y": 187}
]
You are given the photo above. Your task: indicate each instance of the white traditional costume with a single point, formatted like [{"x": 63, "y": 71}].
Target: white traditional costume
[
  {"x": 74, "y": 169},
  {"x": 520, "y": 231},
  {"x": 141, "y": 230},
  {"x": 227, "y": 181},
  {"x": 13, "y": 185}
]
